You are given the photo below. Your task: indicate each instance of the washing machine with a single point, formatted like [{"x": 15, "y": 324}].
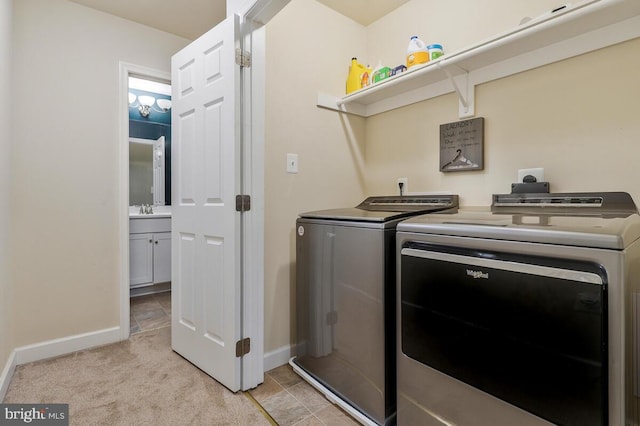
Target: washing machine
[
  {"x": 345, "y": 301},
  {"x": 523, "y": 313}
]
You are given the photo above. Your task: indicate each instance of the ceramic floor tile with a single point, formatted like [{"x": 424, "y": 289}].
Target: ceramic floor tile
[
  {"x": 334, "y": 416},
  {"x": 138, "y": 300},
  {"x": 285, "y": 376},
  {"x": 155, "y": 322},
  {"x": 267, "y": 389},
  {"x": 149, "y": 314},
  {"x": 310, "y": 421},
  {"x": 285, "y": 409},
  {"x": 309, "y": 397},
  {"x": 144, "y": 305},
  {"x": 164, "y": 299}
]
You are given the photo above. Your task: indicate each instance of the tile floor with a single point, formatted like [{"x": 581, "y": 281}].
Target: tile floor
[
  {"x": 150, "y": 312},
  {"x": 287, "y": 398}
]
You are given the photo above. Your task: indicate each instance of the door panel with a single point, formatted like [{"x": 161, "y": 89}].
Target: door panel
[
  {"x": 213, "y": 151},
  {"x": 214, "y": 302},
  {"x": 162, "y": 257},
  {"x": 140, "y": 259},
  {"x": 206, "y": 227},
  {"x": 185, "y": 282}
]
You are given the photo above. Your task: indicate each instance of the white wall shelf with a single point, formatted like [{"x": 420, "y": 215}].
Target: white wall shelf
[{"x": 579, "y": 28}]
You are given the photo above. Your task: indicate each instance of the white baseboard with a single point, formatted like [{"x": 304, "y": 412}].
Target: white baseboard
[
  {"x": 66, "y": 345},
  {"x": 53, "y": 348},
  {"x": 277, "y": 358},
  {"x": 7, "y": 374}
]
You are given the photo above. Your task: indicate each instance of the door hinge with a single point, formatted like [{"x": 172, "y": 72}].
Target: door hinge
[
  {"x": 243, "y": 203},
  {"x": 243, "y": 347},
  {"x": 243, "y": 58}
]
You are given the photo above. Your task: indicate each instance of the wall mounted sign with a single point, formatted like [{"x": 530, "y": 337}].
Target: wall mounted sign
[{"x": 462, "y": 145}]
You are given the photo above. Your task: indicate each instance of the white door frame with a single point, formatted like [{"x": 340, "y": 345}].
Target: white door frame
[{"x": 253, "y": 39}]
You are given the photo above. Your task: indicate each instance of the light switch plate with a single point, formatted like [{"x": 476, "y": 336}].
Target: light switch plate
[{"x": 292, "y": 163}]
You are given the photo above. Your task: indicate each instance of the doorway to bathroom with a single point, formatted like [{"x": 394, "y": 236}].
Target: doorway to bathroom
[
  {"x": 145, "y": 163},
  {"x": 149, "y": 110}
]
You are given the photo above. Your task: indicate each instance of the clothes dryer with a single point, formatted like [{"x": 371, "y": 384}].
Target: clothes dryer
[{"x": 526, "y": 313}]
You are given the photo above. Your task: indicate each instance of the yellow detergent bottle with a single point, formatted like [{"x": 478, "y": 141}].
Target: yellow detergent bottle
[
  {"x": 358, "y": 75},
  {"x": 417, "y": 52}
]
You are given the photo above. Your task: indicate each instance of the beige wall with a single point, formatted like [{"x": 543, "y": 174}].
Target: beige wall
[
  {"x": 5, "y": 179},
  {"x": 574, "y": 118},
  {"x": 65, "y": 197},
  {"x": 308, "y": 49}
]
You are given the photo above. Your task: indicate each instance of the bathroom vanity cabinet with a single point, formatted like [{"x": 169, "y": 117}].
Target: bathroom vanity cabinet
[{"x": 149, "y": 251}]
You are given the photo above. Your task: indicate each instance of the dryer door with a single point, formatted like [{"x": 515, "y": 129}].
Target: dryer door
[{"x": 528, "y": 330}]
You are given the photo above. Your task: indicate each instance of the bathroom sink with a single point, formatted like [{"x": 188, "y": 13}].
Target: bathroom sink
[
  {"x": 158, "y": 212},
  {"x": 149, "y": 216}
]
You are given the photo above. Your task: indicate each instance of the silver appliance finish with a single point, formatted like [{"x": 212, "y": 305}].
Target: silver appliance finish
[
  {"x": 553, "y": 226},
  {"x": 345, "y": 290}
]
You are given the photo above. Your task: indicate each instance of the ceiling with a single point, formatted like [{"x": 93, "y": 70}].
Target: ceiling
[
  {"x": 187, "y": 18},
  {"x": 192, "y": 18},
  {"x": 363, "y": 11}
]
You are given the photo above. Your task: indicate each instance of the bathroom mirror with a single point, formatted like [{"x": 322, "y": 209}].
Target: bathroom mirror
[{"x": 146, "y": 171}]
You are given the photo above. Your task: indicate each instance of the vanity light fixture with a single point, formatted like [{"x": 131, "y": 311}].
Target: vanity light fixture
[
  {"x": 164, "y": 104},
  {"x": 145, "y": 104}
]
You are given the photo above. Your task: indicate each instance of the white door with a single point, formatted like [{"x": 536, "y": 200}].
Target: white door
[
  {"x": 206, "y": 294},
  {"x": 158, "y": 171}
]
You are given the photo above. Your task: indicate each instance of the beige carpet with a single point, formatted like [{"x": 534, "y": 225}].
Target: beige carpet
[{"x": 140, "y": 381}]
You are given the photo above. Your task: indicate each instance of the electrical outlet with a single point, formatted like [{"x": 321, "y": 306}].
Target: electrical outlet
[
  {"x": 292, "y": 163},
  {"x": 538, "y": 173},
  {"x": 404, "y": 190}
]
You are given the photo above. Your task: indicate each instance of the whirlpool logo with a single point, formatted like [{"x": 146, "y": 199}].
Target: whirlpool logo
[{"x": 477, "y": 274}]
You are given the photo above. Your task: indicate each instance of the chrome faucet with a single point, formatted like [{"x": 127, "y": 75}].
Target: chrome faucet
[{"x": 146, "y": 209}]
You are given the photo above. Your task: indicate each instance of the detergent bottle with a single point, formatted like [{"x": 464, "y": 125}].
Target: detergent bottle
[
  {"x": 380, "y": 73},
  {"x": 417, "y": 52},
  {"x": 359, "y": 76}
]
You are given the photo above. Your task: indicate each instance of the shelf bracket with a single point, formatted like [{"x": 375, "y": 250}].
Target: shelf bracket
[{"x": 465, "y": 91}]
